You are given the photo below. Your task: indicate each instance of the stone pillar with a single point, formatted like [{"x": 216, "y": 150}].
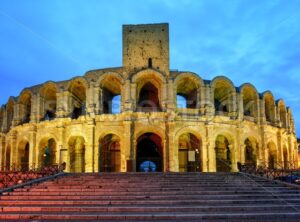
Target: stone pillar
[
  {"x": 133, "y": 96},
  {"x": 78, "y": 155},
  {"x": 34, "y": 108},
  {"x": 202, "y": 99},
  {"x": 32, "y": 149},
  {"x": 127, "y": 151},
  {"x": 211, "y": 152},
  {"x": 204, "y": 152},
  {"x": 127, "y": 97},
  {"x": 233, "y": 111},
  {"x": 13, "y": 150},
  {"x": 240, "y": 105},
  {"x": 172, "y": 156},
  {"x": 171, "y": 104},
  {"x": 90, "y": 146},
  {"x": 232, "y": 148},
  {"x": 4, "y": 124},
  {"x": 242, "y": 153}
]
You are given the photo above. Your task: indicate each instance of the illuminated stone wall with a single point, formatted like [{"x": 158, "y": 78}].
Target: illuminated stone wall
[{"x": 79, "y": 122}]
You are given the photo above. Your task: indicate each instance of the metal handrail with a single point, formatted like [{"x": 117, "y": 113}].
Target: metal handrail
[
  {"x": 13, "y": 175},
  {"x": 279, "y": 172}
]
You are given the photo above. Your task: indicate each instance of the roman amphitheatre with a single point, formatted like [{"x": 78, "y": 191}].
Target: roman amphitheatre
[{"x": 114, "y": 119}]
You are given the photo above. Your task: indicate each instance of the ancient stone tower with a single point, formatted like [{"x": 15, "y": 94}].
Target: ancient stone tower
[{"x": 146, "y": 46}]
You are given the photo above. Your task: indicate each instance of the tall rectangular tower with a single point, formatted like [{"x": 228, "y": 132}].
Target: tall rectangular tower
[{"x": 146, "y": 46}]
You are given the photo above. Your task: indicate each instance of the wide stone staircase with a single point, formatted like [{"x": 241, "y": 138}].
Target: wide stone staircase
[{"x": 153, "y": 197}]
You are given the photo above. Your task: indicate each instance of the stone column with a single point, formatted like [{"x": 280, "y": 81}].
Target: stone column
[
  {"x": 242, "y": 153},
  {"x": 202, "y": 99},
  {"x": 78, "y": 155},
  {"x": 240, "y": 105},
  {"x": 13, "y": 150},
  {"x": 211, "y": 152},
  {"x": 90, "y": 146},
  {"x": 232, "y": 148},
  {"x": 32, "y": 148},
  {"x": 172, "y": 158},
  {"x": 204, "y": 151},
  {"x": 133, "y": 96}
]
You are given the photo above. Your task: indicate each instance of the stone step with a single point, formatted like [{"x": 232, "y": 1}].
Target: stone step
[
  {"x": 137, "y": 208},
  {"x": 92, "y": 196},
  {"x": 152, "y": 216},
  {"x": 149, "y": 202}
]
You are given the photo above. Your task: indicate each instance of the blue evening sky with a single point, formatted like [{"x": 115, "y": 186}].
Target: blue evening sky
[{"x": 248, "y": 41}]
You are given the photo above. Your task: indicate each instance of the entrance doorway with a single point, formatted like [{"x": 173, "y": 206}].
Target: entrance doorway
[{"x": 149, "y": 154}]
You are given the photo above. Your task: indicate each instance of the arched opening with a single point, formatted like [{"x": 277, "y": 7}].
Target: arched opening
[
  {"x": 25, "y": 107},
  {"x": 188, "y": 88},
  {"x": 269, "y": 107},
  {"x": 148, "y": 100},
  {"x": 189, "y": 153},
  {"x": 47, "y": 155},
  {"x": 282, "y": 114},
  {"x": 223, "y": 97},
  {"x": 48, "y": 94},
  {"x": 223, "y": 154},
  {"x": 272, "y": 160},
  {"x": 181, "y": 102},
  {"x": 78, "y": 98},
  {"x": 285, "y": 158},
  {"x": 23, "y": 152},
  {"x": 10, "y": 113},
  {"x": 250, "y": 98},
  {"x": 7, "y": 158},
  {"x": 251, "y": 151},
  {"x": 77, "y": 154},
  {"x": 149, "y": 153},
  {"x": 110, "y": 154},
  {"x": 110, "y": 95}
]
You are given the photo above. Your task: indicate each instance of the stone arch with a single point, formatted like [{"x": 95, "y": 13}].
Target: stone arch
[
  {"x": 23, "y": 154},
  {"x": 149, "y": 152},
  {"x": 250, "y": 100},
  {"x": 149, "y": 90},
  {"x": 47, "y": 152},
  {"x": 251, "y": 151},
  {"x": 189, "y": 152},
  {"x": 25, "y": 101},
  {"x": 110, "y": 87},
  {"x": 78, "y": 91},
  {"x": 269, "y": 106},
  {"x": 282, "y": 111},
  {"x": 188, "y": 86},
  {"x": 10, "y": 109},
  {"x": 151, "y": 129},
  {"x": 76, "y": 148},
  {"x": 48, "y": 101},
  {"x": 272, "y": 155},
  {"x": 224, "y": 95},
  {"x": 109, "y": 153},
  {"x": 224, "y": 152}
]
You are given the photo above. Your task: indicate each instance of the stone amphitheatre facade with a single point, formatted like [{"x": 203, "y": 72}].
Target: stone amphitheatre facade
[{"x": 77, "y": 121}]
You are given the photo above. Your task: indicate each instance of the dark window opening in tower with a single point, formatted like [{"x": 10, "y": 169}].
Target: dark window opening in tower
[{"x": 150, "y": 63}]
